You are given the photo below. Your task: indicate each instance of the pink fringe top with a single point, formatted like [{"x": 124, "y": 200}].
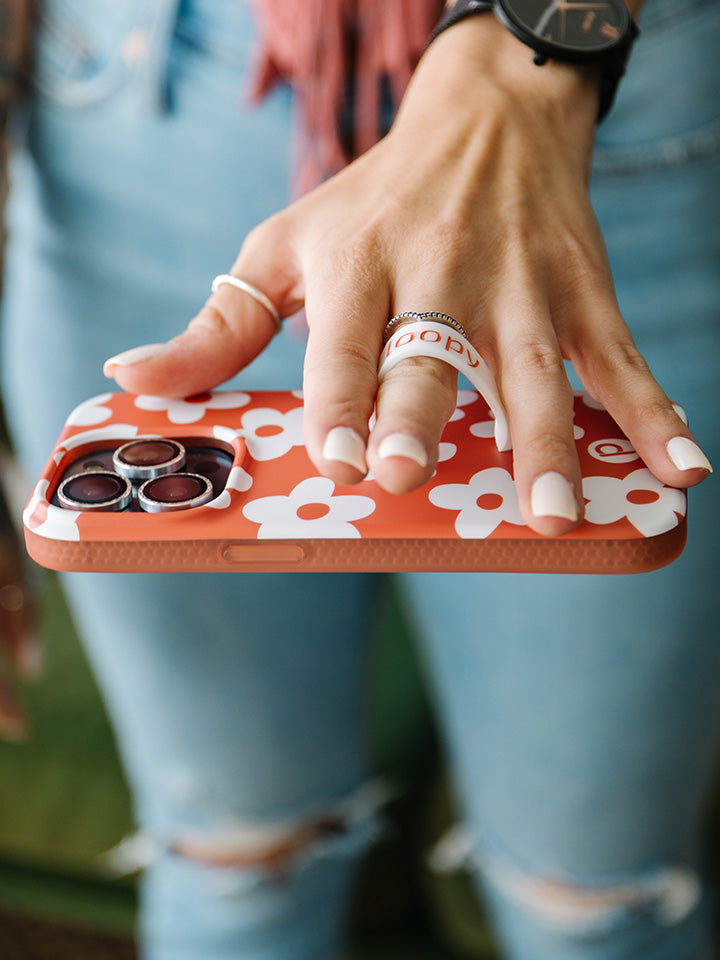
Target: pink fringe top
[{"x": 320, "y": 45}]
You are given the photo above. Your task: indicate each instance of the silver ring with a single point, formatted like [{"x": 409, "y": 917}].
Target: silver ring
[
  {"x": 400, "y": 318},
  {"x": 251, "y": 291}
]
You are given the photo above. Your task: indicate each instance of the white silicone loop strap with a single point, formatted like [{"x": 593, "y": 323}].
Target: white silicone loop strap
[
  {"x": 251, "y": 291},
  {"x": 423, "y": 338}
]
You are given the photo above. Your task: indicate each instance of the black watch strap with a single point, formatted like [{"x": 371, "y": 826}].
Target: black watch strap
[
  {"x": 457, "y": 12},
  {"x": 612, "y": 67}
]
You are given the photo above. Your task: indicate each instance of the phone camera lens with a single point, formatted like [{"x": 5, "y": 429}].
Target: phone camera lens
[
  {"x": 177, "y": 491},
  {"x": 145, "y": 459},
  {"x": 96, "y": 490}
]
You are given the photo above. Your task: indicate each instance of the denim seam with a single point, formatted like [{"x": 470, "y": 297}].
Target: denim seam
[{"x": 667, "y": 153}]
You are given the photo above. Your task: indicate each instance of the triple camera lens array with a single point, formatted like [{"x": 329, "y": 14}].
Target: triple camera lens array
[{"x": 150, "y": 470}]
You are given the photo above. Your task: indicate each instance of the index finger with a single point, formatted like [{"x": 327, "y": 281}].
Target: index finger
[{"x": 233, "y": 326}]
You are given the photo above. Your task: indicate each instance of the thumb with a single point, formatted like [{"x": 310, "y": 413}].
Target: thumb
[{"x": 231, "y": 328}]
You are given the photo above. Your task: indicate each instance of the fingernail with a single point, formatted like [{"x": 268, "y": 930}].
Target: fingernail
[
  {"x": 680, "y": 412},
  {"x": 403, "y": 445},
  {"x": 346, "y": 446},
  {"x": 687, "y": 455},
  {"x": 136, "y": 355},
  {"x": 553, "y": 496}
]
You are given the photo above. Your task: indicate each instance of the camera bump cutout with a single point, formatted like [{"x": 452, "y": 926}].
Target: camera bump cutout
[{"x": 147, "y": 474}]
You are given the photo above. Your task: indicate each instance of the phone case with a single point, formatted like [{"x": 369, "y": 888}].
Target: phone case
[{"x": 273, "y": 512}]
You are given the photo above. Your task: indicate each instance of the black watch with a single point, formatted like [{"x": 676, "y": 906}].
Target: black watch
[{"x": 574, "y": 31}]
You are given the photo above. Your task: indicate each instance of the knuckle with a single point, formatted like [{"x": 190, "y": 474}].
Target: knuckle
[
  {"x": 340, "y": 409},
  {"x": 345, "y": 409},
  {"x": 650, "y": 411},
  {"x": 432, "y": 372},
  {"x": 537, "y": 358},
  {"x": 211, "y": 321},
  {"x": 551, "y": 446},
  {"x": 253, "y": 242},
  {"x": 623, "y": 357},
  {"x": 262, "y": 236}
]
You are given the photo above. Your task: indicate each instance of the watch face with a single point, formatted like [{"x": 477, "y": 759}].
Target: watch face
[{"x": 579, "y": 27}]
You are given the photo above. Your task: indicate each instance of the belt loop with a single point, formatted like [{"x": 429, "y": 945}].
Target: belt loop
[{"x": 161, "y": 21}]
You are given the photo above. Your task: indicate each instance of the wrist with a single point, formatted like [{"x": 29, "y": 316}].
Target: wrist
[
  {"x": 595, "y": 38},
  {"x": 477, "y": 66}
]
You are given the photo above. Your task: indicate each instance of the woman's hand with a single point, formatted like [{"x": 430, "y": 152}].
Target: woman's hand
[{"x": 476, "y": 204}]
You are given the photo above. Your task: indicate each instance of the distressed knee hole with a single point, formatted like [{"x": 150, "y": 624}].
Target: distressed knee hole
[
  {"x": 342, "y": 829},
  {"x": 669, "y": 893},
  {"x": 267, "y": 847}
]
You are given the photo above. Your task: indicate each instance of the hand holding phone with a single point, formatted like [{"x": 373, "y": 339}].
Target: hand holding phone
[{"x": 236, "y": 490}]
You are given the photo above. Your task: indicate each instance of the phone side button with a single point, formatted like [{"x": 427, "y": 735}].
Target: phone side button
[{"x": 252, "y": 553}]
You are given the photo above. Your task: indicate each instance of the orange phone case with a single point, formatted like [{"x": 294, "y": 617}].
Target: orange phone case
[{"x": 277, "y": 514}]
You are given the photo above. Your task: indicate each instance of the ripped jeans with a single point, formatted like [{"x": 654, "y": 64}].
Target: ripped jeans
[{"x": 581, "y": 714}]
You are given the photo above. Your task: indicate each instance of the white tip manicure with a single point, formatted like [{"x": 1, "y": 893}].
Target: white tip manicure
[
  {"x": 687, "y": 455},
  {"x": 553, "y": 496},
  {"x": 346, "y": 446},
  {"x": 135, "y": 355},
  {"x": 403, "y": 445}
]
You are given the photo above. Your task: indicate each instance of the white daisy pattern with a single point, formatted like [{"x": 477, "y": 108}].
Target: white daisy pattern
[
  {"x": 578, "y": 431},
  {"x": 446, "y": 451},
  {"x": 310, "y": 510},
  {"x": 482, "y": 504},
  {"x": 91, "y": 412},
  {"x": 53, "y": 523},
  {"x": 238, "y": 479},
  {"x": 464, "y": 397},
  {"x": 270, "y": 434},
  {"x": 483, "y": 429},
  {"x": 193, "y": 409},
  {"x": 112, "y": 433},
  {"x": 650, "y": 506}
]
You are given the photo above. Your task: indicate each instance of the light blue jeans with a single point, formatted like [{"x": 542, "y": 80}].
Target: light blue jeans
[{"x": 581, "y": 714}]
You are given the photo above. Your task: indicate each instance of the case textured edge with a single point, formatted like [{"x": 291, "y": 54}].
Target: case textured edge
[{"x": 382, "y": 556}]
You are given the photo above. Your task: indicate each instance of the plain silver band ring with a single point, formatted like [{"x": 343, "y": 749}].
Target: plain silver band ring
[
  {"x": 251, "y": 291},
  {"x": 411, "y": 315}
]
